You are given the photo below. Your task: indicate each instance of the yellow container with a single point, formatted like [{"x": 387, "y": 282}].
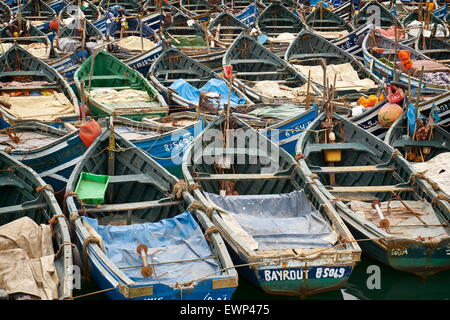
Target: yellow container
[{"x": 333, "y": 155}]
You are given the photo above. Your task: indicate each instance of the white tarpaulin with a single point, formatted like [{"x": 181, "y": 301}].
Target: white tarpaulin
[
  {"x": 437, "y": 170},
  {"x": 273, "y": 89},
  {"x": 346, "y": 77},
  {"x": 107, "y": 95},
  {"x": 27, "y": 259}
]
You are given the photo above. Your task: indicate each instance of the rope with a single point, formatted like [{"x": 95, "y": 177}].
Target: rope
[
  {"x": 92, "y": 293},
  {"x": 86, "y": 242},
  {"x": 197, "y": 205},
  {"x": 178, "y": 189},
  {"x": 45, "y": 187},
  {"x": 210, "y": 231}
]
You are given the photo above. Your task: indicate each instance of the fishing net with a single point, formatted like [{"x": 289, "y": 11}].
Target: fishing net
[
  {"x": 189, "y": 42},
  {"x": 134, "y": 43}
]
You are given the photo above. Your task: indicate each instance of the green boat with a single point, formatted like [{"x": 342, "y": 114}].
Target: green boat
[
  {"x": 261, "y": 203},
  {"x": 197, "y": 7},
  {"x": 328, "y": 24},
  {"x": 113, "y": 88},
  {"x": 5, "y": 12},
  {"x": 76, "y": 7},
  {"x": 395, "y": 214},
  {"x": 34, "y": 90},
  {"x": 386, "y": 18},
  {"x": 309, "y": 50},
  {"x": 252, "y": 63},
  {"x": 25, "y": 203}
]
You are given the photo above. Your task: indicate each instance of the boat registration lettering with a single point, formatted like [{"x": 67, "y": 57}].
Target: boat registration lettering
[
  {"x": 399, "y": 251},
  {"x": 330, "y": 273},
  {"x": 281, "y": 275}
]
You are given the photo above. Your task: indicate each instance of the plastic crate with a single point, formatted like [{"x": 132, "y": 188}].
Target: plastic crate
[{"x": 91, "y": 188}]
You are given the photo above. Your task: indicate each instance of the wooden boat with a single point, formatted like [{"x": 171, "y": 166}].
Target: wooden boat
[
  {"x": 328, "y": 24},
  {"x": 32, "y": 90},
  {"x": 197, "y": 7},
  {"x": 130, "y": 94},
  {"x": 275, "y": 21},
  {"x": 253, "y": 64},
  {"x": 225, "y": 28},
  {"x": 427, "y": 19},
  {"x": 363, "y": 175},
  {"x": 163, "y": 142},
  {"x": 248, "y": 15},
  {"x": 378, "y": 53},
  {"x": 259, "y": 181},
  {"x": 386, "y": 18},
  {"x": 434, "y": 48},
  {"x": 310, "y": 49},
  {"x": 352, "y": 43},
  {"x": 5, "y": 12},
  {"x": 37, "y": 12},
  {"x": 408, "y": 143},
  {"x": 192, "y": 40},
  {"x": 141, "y": 191},
  {"x": 291, "y": 4},
  {"x": 345, "y": 10},
  {"x": 26, "y": 197},
  {"x": 237, "y": 5},
  {"x": 76, "y": 7},
  {"x": 179, "y": 78},
  {"x": 131, "y": 6},
  {"x": 31, "y": 38}
]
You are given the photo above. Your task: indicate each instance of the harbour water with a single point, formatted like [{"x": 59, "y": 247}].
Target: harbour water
[{"x": 362, "y": 285}]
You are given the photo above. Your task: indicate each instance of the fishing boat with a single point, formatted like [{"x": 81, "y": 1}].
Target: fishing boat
[
  {"x": 380, "y": 56},
  {"x": 5, "y": 12},
  {"x": 32, "y": 90},
  {"x": 197, "y": 7},
  {"x": 352, "y": 43},
  {"x": 376, "y": 14},
  {"x": 77, "y": 7},
  {"x": 162, "y": 140},
  {"x": 259, "y": 73},
  {"x": 130, "y": 6},
  {"x": 291, "y": 4},
  {"x": 37, "y": 12},
  {"x": 315, "y": 56},
  {"x": 225, "y": 28},
  {"x": 237, "y": 5},
  {"x": 394, "y": 214},
  {"x": 248, "y": 15},
  {"x": 418, "y": 143},
  {"x": 261, "y": 203},
  {"x": 191, "y": 37},
  {"x": 179, "y": 260},
  {"x": 280, "y": 25},
  {"x": 113, "y": 88},
  {"x": 38, "y": 241},
  {"x": 434, "y": 48},
  {"x": 23, "y": 33},
  {"x": 328, "y": 24},
  {"x": 345, "y": 10},
  {"x": 182, "y": 80},
  {"x": 422, "y": 21}
]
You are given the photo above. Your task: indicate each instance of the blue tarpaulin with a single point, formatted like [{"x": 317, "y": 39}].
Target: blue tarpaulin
[
  {"x": 191, "y": 93},
  {"x": 180, "y": 238}
]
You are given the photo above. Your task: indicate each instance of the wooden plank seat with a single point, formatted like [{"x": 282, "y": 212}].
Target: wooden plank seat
[
  {"x": 349, "y": 169},
  {"x": 324, "y": 21},
  {"x": 317, "y": 55},
  {"x": 240, "y": 177},
  {"x": 249, "y": 61},
  {"x": 22, "y": 73},
  {"x": 370, "y": 189},
  {"x": 141, "y": 178},
  {"x": 133, "y": 206},
  {"x": 356, "y": 146},
  {"x": 107, "y": 77},
  {"x": 260, "y": 73},
  {"x": 31, "y": 87},
  {"x": 31, "y": 205},
  {"x": 399, "y": 143}
]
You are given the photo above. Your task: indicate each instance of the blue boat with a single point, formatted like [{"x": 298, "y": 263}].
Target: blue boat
[
  {"x": 262, "y": 204},
  {"x": 286, "y": 133},
  {"x": 162, "y": 248}
]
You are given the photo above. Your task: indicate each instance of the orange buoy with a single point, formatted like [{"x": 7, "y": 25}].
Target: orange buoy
[
  {"x": 405, "y": 58},
  {"x": 54, "y": 24},
  {"x": 89, "y": 132},
  {"x": 388, "y": 114}
]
